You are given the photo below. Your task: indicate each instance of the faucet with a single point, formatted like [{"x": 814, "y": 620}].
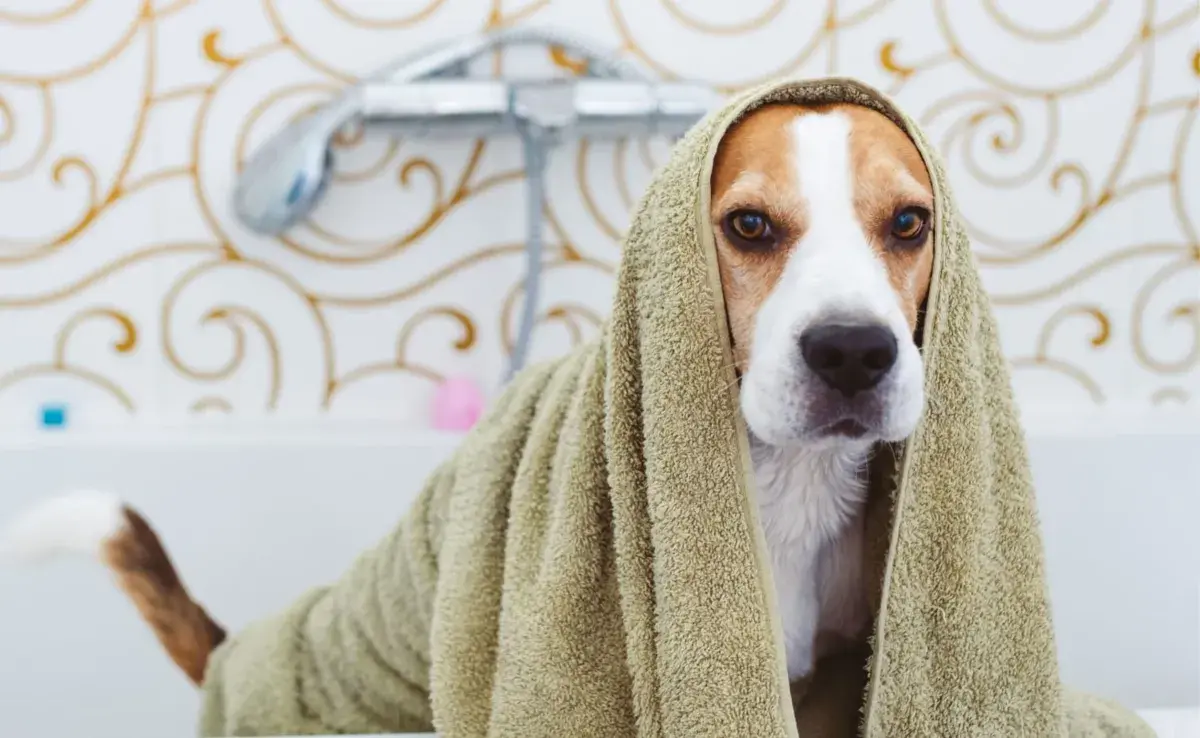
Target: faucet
[{"x": 429, "y": 94}]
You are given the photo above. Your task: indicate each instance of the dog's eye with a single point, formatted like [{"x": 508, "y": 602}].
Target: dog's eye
[
  {"x": 910, "y": 225},
  {"x": 749, "y": 229}
]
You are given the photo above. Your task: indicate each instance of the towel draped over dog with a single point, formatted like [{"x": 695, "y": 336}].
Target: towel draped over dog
[{"x": 590, "y": 562}]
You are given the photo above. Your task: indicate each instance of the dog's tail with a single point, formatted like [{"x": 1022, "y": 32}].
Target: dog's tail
[{"x": 99, "y": 524}]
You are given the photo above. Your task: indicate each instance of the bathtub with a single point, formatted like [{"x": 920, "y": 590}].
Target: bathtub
[
  {"x": 1181, "y": 723},
  {"x": 255, "y": 515}
]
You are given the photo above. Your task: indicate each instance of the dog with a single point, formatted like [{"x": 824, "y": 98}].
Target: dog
[{"x": 823, "y": 223}]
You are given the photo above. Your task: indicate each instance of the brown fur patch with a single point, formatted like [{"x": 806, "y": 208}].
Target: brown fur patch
[
  {"x": 144, "y": 571},
  {"x": 752, "y": 169},
  {"x": 889, "y": 173}
]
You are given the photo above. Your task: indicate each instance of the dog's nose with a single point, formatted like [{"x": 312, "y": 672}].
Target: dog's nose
[{"x": 849, "y": 358}]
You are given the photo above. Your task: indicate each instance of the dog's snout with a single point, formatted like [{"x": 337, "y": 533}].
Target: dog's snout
[{"x": 849, "y": 358}]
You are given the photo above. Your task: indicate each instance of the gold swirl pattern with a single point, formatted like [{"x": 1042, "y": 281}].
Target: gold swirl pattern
[
  {"x": 408, "y": 19},
  {"x": 211, "y": 405},
  {"x": 18, "y": 17},
  {"x": 1070, "y": 129}
]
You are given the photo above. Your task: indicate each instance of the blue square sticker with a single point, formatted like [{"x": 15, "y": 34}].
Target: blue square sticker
[{"x": 54, "y": 416}]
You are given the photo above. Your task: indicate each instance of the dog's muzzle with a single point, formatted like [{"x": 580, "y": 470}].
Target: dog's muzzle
[{"x": 851, "y": 360}]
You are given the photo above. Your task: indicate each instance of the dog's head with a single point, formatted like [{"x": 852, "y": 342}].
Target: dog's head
[{"x": 822, "y": 218}]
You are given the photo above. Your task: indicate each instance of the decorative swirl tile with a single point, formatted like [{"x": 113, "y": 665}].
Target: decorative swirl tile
[{"x": 128, "y": 288}]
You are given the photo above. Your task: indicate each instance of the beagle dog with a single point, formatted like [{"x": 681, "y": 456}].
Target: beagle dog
[
  {"x": 822, "y": 219},
  {"x": 822, "y": 222}
]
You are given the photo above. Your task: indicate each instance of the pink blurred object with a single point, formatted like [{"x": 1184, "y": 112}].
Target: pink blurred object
[{"x": 457, "y": 405}]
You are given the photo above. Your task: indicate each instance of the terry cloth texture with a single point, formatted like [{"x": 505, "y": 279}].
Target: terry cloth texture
[{"x": 590, "y": 562}]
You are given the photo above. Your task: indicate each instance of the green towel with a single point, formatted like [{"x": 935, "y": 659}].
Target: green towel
[{"x": 590, "y": 562}]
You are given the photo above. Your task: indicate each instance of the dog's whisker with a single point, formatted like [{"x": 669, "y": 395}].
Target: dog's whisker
[{"x": 725, "y": 388}]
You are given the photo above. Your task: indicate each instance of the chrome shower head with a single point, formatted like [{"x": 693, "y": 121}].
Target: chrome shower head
[{"x": 286, "y": 178}]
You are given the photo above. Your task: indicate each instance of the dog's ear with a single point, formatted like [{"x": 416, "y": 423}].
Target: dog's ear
[
  {"x": 919, "y": 333},
  {"x": 732, "y": 339}
]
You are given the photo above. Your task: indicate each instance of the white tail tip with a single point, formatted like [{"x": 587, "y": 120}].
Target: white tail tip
[{"x": 77, "y": 523}]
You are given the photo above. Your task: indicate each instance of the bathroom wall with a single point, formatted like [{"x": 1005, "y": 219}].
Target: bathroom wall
[{"x": 129, "y": 293}]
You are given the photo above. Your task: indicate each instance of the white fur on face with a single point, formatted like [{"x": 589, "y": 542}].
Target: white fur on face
[{"x": 832, "y": 272}]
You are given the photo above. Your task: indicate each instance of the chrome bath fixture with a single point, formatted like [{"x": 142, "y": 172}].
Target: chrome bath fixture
[{"x": 429, "y": 94}]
